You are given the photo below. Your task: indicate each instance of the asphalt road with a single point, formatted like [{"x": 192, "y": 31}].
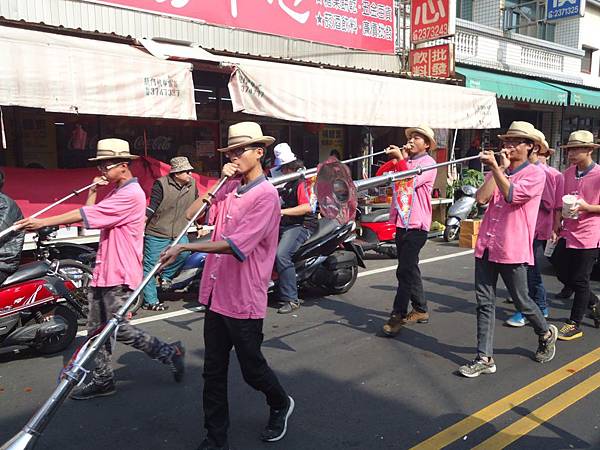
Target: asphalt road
[{"x": 353, "y": 389}]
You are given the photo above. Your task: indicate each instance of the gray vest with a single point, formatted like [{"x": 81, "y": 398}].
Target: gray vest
[{"x": 169, "y": 218}]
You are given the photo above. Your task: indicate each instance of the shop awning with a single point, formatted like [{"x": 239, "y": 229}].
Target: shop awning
[
  {"x": 78, "y": 75},
  {"x": 310, "y": 94},
  {"x": 580, "y": 96},
  {"x": 513, "y": 88}
]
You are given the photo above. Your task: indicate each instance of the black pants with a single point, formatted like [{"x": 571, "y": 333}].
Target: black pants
[
  {"x": 410, "y": 286},
  {"x": 3, "y": 276},
  {"x": 221, "y": 333},
  {"x": 574, "y": 269}
]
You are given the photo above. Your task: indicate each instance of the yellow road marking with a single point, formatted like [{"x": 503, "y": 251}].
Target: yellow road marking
[
  {"x": 544, "y": 413},
  {"x": 499, "y": 407}
]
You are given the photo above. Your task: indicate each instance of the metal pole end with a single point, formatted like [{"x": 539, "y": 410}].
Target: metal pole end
[{"x": 21, "y": 441}]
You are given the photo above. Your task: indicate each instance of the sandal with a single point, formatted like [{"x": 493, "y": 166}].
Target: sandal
[{"x": 155, "y": 307}]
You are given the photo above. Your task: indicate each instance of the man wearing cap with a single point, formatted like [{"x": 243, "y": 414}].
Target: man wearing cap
[
  {"x": 504, "y": 246},
  {"x": 118, "y": 268},
  {"x": 171, "y": 196},
  {"x": 411, "y": 212},
  {"x": 298, "y": 222},
  {"x": 579, "y": 234},
  {"x": 246, "y": 215},
  {"x": 543, "y": 231}
]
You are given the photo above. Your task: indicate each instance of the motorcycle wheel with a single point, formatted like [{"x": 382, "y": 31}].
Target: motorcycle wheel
[
  {"x": 81, "y": 276},
  {"x": 345, "y": 287},
  {"x": 451, "y": 233},
  {"x": 61, "y": 341}
]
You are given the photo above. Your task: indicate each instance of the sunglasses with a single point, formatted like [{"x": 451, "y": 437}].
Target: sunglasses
[
  {"x": 237, "y": 153},
  {"x": 106, "y": 167},
  {"x": 507, "y": 144}
]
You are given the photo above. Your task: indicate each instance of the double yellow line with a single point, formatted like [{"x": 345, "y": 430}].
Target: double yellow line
[{"x": 523, "y": 426}]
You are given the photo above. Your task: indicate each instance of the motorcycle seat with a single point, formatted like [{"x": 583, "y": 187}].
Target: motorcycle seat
[
  {"x": 377, "y": 216},
  {"x": 325, "y": 226},
  {"x": 28, "y": 271}
]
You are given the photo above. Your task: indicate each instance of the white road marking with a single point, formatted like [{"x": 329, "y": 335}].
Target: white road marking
[{"x": 195, "y": 309}]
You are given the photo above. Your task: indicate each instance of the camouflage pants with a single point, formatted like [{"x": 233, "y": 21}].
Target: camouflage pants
[{"x": 103, "y": 303}]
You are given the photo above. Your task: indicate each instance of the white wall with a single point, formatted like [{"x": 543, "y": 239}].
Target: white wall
[{"x": 589, "y": 36}]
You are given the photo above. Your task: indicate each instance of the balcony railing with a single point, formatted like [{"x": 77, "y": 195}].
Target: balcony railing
[{"x": 535, "y": 58}]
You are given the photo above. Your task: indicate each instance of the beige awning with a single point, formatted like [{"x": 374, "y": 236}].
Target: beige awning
[{"x": 69, "y": 74}]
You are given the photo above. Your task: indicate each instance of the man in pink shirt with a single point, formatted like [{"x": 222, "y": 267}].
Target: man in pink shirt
[
  {"x": 512, "y": 191},
  {"x": 543, "y": 232},
  {"x": 246, "y": 215},
  {"x": 579, "y": 235},
  {"x": 118, "y": 271},
  {"x": 411, "y": 212}
]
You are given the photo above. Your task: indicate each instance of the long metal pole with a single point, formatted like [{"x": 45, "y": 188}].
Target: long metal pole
[
  {"x": 307, "y": 173},
  {"x": 27, "y": 437},
  {"x": 388, "y": 178},
  {"x": 58, "y": 202}
]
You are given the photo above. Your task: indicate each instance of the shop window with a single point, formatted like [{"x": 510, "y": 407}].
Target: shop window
[
  {"x": 205, "y": 98},
  {"x": 586, "y": 61}
]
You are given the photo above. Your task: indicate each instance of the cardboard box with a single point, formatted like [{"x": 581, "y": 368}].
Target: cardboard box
[
  {"x": 467, "y": 241},
  {"x": 470, "y": 227}
]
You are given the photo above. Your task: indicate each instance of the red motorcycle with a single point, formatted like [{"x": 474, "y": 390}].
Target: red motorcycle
[
  {"x": 376, "y": 232},
  {"x": 39, "y": 308}
]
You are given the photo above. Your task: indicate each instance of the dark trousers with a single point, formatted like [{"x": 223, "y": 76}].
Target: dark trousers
[
  {"x": 515, "y": 279},
  {"x": 535, "y": 283},
  {"x": 410, "y": 286},
  {"x": 574, "y": 269},
  {"x": 221, "y": 333}
]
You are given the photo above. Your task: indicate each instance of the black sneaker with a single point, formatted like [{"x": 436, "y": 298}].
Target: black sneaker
[
  {"x": 569, "y": 331},
  {"x": 178, "y": 361},
  {"x": 277, "y": 426},
  {"x": 547, "y": 347},
  {"x": 565, "y": 293},
  {"x": 207, "y": 444},
  {"x": 93, "y": 390}
]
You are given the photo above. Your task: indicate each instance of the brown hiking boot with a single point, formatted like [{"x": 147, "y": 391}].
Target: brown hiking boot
[
  {"x": 416, "y": 317},
  {"x": 393, "y": 325}
]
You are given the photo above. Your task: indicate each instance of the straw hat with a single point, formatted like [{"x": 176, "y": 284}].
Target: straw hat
[
  {"x": 519, "y": 129},
  {"x": 283, "y": 154},
  {"x": 245, "y": 134},
  {"x": 425, "y": 131},
  {"x": 581, "y": 138},
  {"x": 180, "y": 164},
  {"x": 113, "y": 149}
]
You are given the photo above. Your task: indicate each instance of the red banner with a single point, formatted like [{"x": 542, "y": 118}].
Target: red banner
[
  {"x": 436, "y": 61},
  {"x": 432, "y": 19},
  {"x": 361, "y": 24}
]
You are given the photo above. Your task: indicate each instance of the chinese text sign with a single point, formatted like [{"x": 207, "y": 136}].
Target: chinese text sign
[
  {"x": 563, "y": 9},
  {"x": 437, "y": 61},
  {"x": 432, "y": 19}
]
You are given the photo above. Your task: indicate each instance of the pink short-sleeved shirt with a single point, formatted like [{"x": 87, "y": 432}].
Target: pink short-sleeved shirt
[
  {"x": 420, "y": 213},
  {"x": 120, "y": 217},
  {"x": 545, "y": 218},
  {"x": 583, "y": 232},
  {"x": 508, "y": 225},
  {"x": 248, "y": 218}
]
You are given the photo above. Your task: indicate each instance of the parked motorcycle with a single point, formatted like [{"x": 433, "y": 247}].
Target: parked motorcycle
[
  {"x": 376, "y": 232},
  {"x": 465, "y": 207},
  {"x": 39, "y": 308}
]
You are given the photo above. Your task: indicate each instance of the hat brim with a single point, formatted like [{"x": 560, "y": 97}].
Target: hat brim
[
  {"x": 288, "y": 162},
  {"x": 580, "y": 145},
  {"x": 505, "y": 137},
  {"x": 267, "y": 140},
  {"x": 549, "y": 151},
  {"x": 422, "y": 132},
  {"x": 103, "y": 158}
]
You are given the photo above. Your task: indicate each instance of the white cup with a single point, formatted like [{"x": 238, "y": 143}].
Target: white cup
[
  {"x": 569, "y": 205},
  {"x": 550, "y": 246}
]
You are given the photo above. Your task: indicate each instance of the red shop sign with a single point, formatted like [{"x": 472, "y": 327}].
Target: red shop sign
[
  {"x": 436, "y": 61},
  {"x": 432, "y": 19},
  {"x": 361, "y": 24}
]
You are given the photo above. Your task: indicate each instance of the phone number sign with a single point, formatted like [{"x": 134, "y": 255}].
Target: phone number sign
[
  {"x": 432, "y": 19},
  {"x": 564, "y": 9}
]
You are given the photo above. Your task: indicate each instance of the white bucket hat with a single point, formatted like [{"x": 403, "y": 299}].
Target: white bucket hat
[
  {"x": 113, "y": 148},
  {"x": 244, "y": 134},
  {"x": 283, "y": 154}
]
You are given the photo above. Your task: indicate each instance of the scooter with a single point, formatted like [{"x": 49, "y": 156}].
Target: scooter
[
  {"x": 328, "y": 261},
  {"x": 38, "y": 308},
  {"x": 465, "y": 207},
  {"x": 377, "y": 233}
]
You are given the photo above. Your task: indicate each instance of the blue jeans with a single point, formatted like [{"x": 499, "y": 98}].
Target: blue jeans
[
  {"x": 535, "y": 284},
  {"x": 290, "y": 240},
  {"x": 153, "y": 247}
]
